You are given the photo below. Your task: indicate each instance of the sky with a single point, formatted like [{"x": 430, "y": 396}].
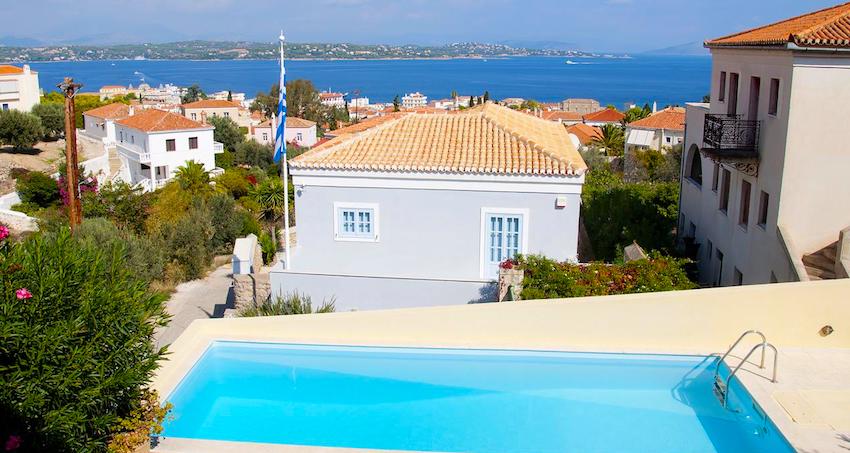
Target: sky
[{"x": 593, "y": 25}]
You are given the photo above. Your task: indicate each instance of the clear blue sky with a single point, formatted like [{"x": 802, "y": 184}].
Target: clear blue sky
[{"x": 612, "y": 25}]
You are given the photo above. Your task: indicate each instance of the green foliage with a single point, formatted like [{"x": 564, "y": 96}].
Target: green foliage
[
  {"x": 38, "y": 188},
  {"x": 268, "y": 247},
  {"x": 615, "y": 213},
  {"x": 302, "y": 101},
  {"x": 637, "y": 113},
  {"x": 226, "y": 132},
  {"x": 291, "y": 304},
  {"x": 52, "y": 119},
  {"x": 82, "y": 103},
  {"x": 613, "y": 139},
  {"x": 396, "y": 104},
  {"x": 545, "y": 278},
  {"x": 530, "y": 104},
  {"x": 27, "y": 207},
  {"x": 20, "y": 130},
  {"x": 227, "y": 223},
  {"x": 254, "y": 154},
  {"x": 78, "y": 355},
  {"x": 187, "y": 241},
  {"x": 193, "y": 93},
  {"x": 234, "y": 181},
  {"x": 269, "y": 195},
  {"x": 250, "y": 224},
  {"x": 123, "y": 205},
  {"x": 224, "y": 159},
  {"x": 143, "y": 255},
  {"x": 193, "y": 178}
]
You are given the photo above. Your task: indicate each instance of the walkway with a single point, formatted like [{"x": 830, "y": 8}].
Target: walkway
[{"x": 198, "y": 299}]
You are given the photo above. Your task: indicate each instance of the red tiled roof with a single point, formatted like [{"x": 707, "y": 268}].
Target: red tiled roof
[
  {"x": 585, "y": 134},
  {"x": 828, "y": 27},
  {"x": 211, "y": 104},
  {"x": 290, "y": 122},
  {"x": 153, "y": 120},
  {"x": 366, "y": 124},
  {"x": 113, "y": 111},
  {"x": 605, "y": 116},
  {"x": 561, "y": 116},
  {"x": 672, "y": 118},
  {"x": 6, "y": 69}
]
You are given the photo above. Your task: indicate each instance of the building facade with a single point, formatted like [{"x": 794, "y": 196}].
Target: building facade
[
  {"x": 99, "y": 123},
  {"x": 207, "y": 108},
  {"x": 298, "y": 131},
  {"x": 659, "y": 131},
  {"x": 153, "y": 144},
  {"x": 764, "y": 175},
  {"x": 411, "y": 227},
  {"x": 19, "y": 88},
  {"x": 414, "y": 100},
  {"x": 603, "y": 117},
  {"x": 580, "y": 106},
  {"x": 332, "y": 99}
]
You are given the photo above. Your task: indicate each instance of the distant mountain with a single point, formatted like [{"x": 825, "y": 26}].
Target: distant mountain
[
  {"x": 540, "y": 45},
  {"x": 692, "y": 48},
  {"x": 15, "y": 41}
]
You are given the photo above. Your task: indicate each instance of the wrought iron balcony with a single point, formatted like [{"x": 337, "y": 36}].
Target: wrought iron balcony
[{"x": 729, "y": 137}]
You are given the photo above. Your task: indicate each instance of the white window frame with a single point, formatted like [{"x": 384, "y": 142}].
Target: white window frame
[
  {"x": 376, "y": 222},
  {"x": 482, "y": 258}
]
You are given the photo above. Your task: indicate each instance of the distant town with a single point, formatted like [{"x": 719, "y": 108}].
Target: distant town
[{"x": 239, "y": 50}]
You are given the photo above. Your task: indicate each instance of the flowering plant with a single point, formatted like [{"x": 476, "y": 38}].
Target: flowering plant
[{"x": 508, "y": 264}]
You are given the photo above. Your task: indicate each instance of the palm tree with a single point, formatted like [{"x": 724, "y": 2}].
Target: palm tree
[
  {"x": 269, "y": 194},
  {"x": 193, "y": 178},
  {"x": 612, "y": 140}
]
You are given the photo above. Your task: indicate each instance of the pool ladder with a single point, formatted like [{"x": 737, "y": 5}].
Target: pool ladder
[{"x": 721, "y": 386}]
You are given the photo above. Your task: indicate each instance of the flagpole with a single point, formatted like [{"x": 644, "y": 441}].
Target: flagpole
[{"x": 284, "y": 170}]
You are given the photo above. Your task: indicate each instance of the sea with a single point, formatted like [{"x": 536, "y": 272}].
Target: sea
[{"x": 667, "y": 80}]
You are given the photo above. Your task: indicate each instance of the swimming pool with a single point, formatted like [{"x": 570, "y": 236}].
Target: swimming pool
[{"x": 464, "y": 401}]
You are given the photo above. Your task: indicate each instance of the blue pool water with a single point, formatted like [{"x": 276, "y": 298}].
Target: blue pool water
[{"x": 464, "y": 401}]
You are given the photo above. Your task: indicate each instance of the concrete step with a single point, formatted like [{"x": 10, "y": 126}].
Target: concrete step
[
  {"x": 820, "y": 261},
  {"x": 816, "y": 273}
]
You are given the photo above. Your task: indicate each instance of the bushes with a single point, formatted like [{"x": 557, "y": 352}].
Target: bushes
[
  {"x": 20, "y": 130},
  {"x": 120, "y": 203},
  {"x": 78, "y": 354},
  {"x": 615, "y": 213},
  {"x": 268, "y": 246},
  {"x": 549, "y": 279},
  {"x": 291, "y": 304},
  {"x": 38, "y": 188},
  {"x": 234, "y": 181},
  {"x": 226, "y": 132},
  {"x": 145, "y": 257},
  {"x": 227, "y": 223},
  {"x": 52, "y": 119},
  {"x": 186, "y": 242},
  {"x": 253, "y": 154}
]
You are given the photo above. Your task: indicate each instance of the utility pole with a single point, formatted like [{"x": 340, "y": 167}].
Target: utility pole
[{"x": 75, "y": 213}]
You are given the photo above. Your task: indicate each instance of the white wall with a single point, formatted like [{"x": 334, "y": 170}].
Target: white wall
[
  {"x": 155, "y": 144},
  {"x": 20, "y": 91}
]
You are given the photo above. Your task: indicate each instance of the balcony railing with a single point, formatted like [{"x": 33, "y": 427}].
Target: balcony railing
[
  {"x": 134, "y": 153},
  {"x": 218, "y": 148},
  {"x": 730, "y": 136}
]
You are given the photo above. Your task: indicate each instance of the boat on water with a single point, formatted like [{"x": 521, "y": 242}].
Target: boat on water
[{"x": 571, "y": 62}]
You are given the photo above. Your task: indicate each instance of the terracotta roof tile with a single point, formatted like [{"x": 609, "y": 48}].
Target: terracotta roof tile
[
  {"x": 365, "y": 124},
  {"x": 672, "y": 118},
  {"x": 153, "y": 120},
  {"x": 291, "y": 122},
  {"x": 488, "y": 139},
  {"x": 605, "y": 116},
  {"x": 828, "y": 27},
  {"x": 561, "y": 116},
  {"x": 6, "y": 69},
  {"x": 115, "y": 111},
  {"x": 212, "y": 104},
  {"x": 585, "y": 134}
]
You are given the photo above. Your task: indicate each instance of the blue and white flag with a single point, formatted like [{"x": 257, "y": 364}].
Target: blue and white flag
[{"x": 279, "y": 141}]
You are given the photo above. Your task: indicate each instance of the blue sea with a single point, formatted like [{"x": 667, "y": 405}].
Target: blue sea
[{"x": 642, "y": 79}]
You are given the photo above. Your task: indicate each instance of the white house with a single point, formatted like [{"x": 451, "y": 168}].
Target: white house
[
  {"x": 332, "y": 99},
  {"x": 152, "y": 144},
  {"x": 206, "y": 108},
  {"x": 428, "y": 223},
  {"x": 414, "y": 100},
  {"x": 765, "y": 185},
  {"x": 19, "y": 89},
  {"x": 664, "y": 129},
  {"x": 298, "y": 130},
  {"x": 223, "y": 95},
  {"x": 99, "y": 123}
]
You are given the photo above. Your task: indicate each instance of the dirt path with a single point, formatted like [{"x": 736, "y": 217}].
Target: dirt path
[{"x": 45, "y": 157}]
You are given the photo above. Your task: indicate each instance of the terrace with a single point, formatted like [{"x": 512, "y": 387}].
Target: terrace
[{"x": 807, "y": 403}]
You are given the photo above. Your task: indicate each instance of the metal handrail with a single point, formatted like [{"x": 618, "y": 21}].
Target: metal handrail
[
  {"x": 728, "y": 351},
  {"x": 731, "y": 375}
]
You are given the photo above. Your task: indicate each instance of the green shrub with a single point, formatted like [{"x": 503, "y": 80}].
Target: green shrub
[
  {"x": 291, "y": 304},
  {"x": 234, "y": 181},
  {"x": 254, "y": 154},
  {"x": 268, "y": 246},
  {"x": 122, "y": 204},
  {"x": 187, "y": 242},
  {"x": 227, "y": 222},
  {"x": 226, "y": 131},
  {"x": 38, "y": 188},
  {"x": 52, "y": 119},
  {"x": 250, "y": 224},
  {"x": 144, "y": 256},
  {"x": 78, "y": 355},
  {"x": 616, "y": 213},
  {"x": 224, "y": 160},
  {"x": 21, "y": 130},
  {"x": 545, "y": 278},
  {"x": 27, "y": 207}
]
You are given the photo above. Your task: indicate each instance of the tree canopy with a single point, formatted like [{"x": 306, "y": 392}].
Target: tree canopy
[
  {"x": 21, "y": 130},
  {"x": 226, "y": 132}
]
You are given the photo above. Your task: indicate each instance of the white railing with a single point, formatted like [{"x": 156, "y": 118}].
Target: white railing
[
  {"x": 133, "y": 153},
  {"x": 160, "y": 183},
  {"x": 218, "y": 148}
]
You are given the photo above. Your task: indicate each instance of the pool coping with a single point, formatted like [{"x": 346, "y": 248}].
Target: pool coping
[{"x": 183, "y": 445}]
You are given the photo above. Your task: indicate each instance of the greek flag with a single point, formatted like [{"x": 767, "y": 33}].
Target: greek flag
[{"x": 279, "y": 141}]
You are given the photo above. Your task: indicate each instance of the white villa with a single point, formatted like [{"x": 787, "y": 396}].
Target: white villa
[
  {"x": 152, "y": 144},
  {"x": 298, "y": 130},
  {"x": 430, "y": 222},
  {"x": 664, "y": 129},
  {"x": 19, "y": 88},
  {"x": 332, "y": 99},
  {"x": 414, "y": 100},
  {"x": 99, "y": 123},
  {"x": 765, "y": 187}
]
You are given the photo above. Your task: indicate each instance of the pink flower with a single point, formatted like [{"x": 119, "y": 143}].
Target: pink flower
[
  {"x": 4, "y": 232},
  {"x": 13, "y": 443},
  {"x": 23, "y": 293}
]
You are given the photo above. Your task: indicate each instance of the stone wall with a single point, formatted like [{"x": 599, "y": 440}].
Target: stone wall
[{"x": 246, "y": 286}]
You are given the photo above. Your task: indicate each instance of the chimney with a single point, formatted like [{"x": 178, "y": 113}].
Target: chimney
[
  {"x": 132, "y": 110},
  {"x": 27, "y": 69},
  {"x": 204, "y": 117},
  {"x": 655, "y": 107}
]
